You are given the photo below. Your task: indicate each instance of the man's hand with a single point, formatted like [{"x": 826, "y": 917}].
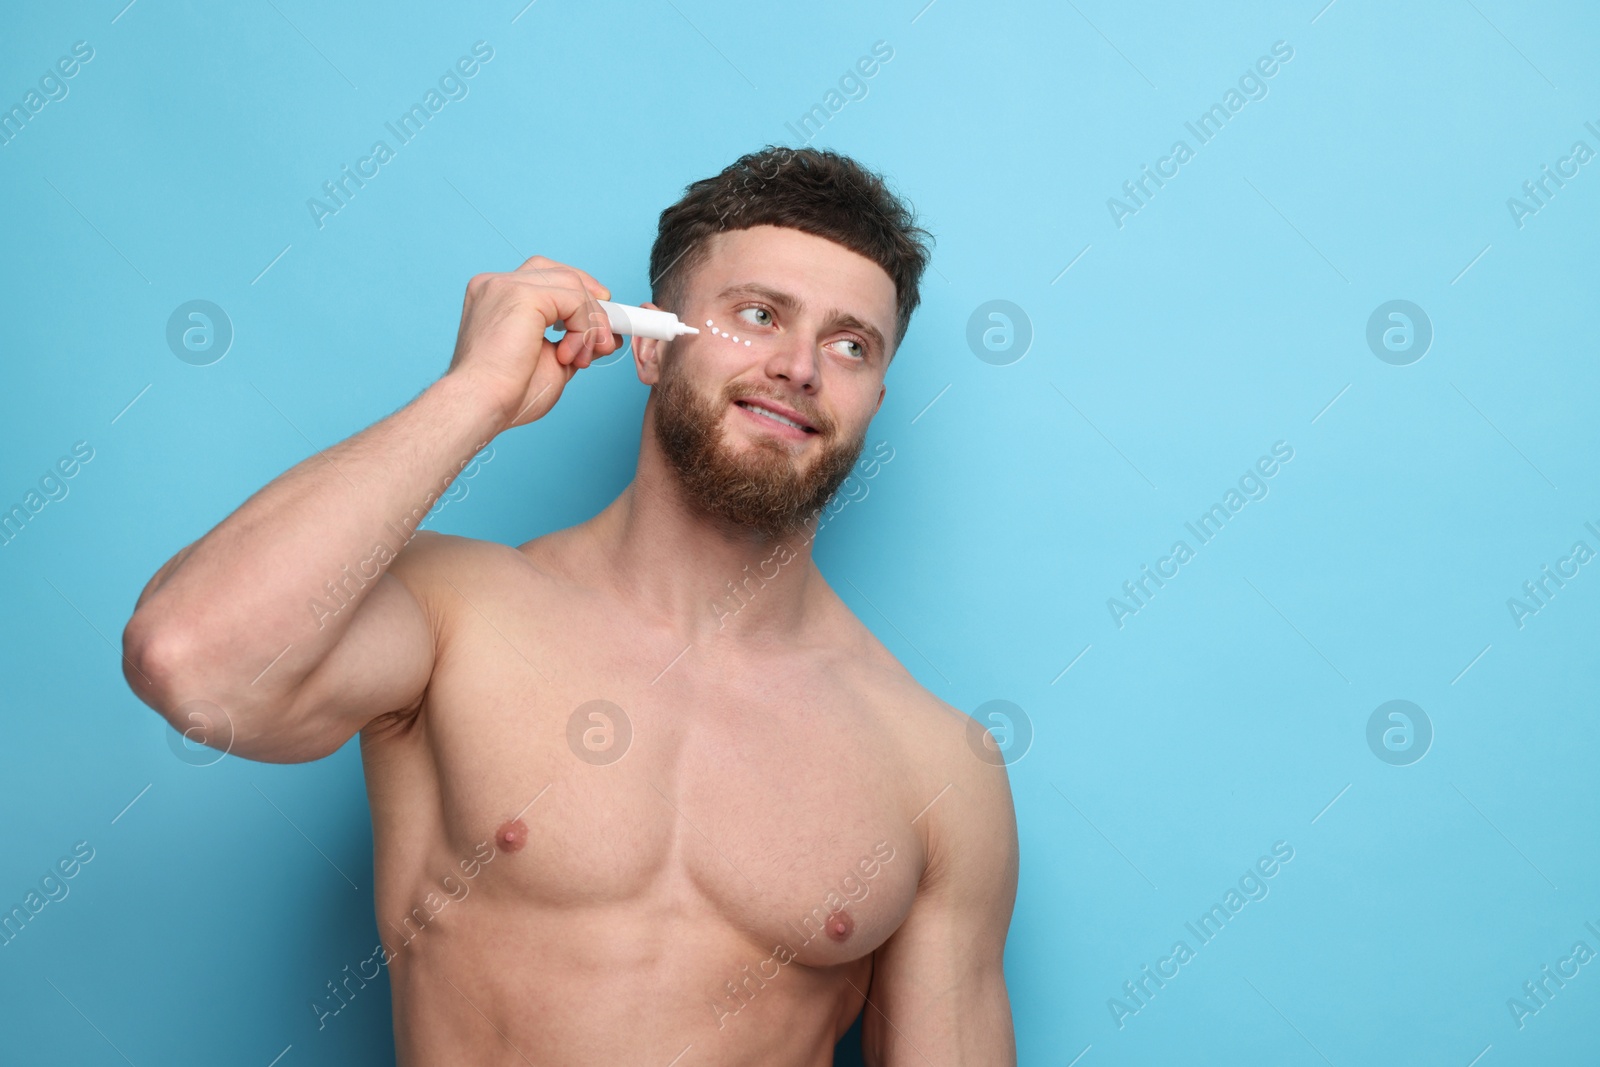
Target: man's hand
[{"x": 501, "y": 346}]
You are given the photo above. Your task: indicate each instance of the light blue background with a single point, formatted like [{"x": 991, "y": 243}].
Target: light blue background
[{"x": 1228, "y": 314}]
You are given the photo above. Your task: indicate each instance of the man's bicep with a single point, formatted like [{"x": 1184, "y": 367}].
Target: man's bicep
[
  {"x": 381, "y": 664},
  {"x": 938, "y": 991}
]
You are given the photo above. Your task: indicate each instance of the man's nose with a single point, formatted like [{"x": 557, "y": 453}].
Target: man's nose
[{"x": 796, "y": 360}]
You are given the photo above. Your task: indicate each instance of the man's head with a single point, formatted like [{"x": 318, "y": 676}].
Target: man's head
[{"x": 801, "y": 270}]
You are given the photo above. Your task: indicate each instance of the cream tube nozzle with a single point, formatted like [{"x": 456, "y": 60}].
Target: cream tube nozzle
[{"x": 643, "y": 322}]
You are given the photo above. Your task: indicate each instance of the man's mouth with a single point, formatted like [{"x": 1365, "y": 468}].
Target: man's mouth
[{"x": 781, "y": 416}]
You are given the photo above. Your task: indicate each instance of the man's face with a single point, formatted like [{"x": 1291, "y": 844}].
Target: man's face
[{"x": 790, "y": 323}]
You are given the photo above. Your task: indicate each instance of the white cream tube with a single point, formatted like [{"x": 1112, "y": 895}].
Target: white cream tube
[{"x": 643, "y": 322}]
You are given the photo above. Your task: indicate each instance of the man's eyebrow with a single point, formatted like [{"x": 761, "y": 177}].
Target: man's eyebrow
[
  {"x": 772, "y": 296},
  {"x": 790, "y": 303}
]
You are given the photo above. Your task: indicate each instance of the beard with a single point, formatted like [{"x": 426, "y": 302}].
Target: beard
[{"x": 758, "y": 488}]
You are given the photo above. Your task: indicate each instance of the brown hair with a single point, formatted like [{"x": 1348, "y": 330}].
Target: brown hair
[{"x": 808, "y": 189}]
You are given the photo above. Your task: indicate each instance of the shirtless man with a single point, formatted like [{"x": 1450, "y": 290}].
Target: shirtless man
[{"x": 643, "y": 790}]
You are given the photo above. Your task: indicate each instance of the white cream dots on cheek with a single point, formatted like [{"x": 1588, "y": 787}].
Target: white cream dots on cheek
[{"x": 723, "y": 333}]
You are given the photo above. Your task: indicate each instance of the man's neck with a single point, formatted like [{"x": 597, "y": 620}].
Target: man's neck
[{"x": 700, "y": 575}]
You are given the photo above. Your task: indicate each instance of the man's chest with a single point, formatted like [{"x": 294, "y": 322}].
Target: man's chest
[{"x": 609, "y": 772}]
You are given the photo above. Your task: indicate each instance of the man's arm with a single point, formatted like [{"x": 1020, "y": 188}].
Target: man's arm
[
  {"x": 938, "y": 994},
  {"x": 284, "y": 615}
]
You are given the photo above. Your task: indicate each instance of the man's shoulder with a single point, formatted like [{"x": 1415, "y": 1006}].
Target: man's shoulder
[
  {"x": 966, "y": 811},
  {"x": 956, "y": 745},
  {"x": 939, "y": 739},
  {"x": 429, "y": 551},
  {"x": 928, "y": 716},
  {"x": 954, "y": 787},
  {"x": 435, "y": 563}
]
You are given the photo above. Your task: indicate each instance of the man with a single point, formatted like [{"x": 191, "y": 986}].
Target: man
[{"x": 643, "y": 790}]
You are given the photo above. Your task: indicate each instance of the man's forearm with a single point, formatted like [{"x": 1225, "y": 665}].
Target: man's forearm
[{"x": 290, "y": 566}]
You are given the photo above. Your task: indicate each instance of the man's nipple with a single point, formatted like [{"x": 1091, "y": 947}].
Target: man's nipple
[
  {"x": 840, "y": 926},
  {"x": 511, "y": 836}
]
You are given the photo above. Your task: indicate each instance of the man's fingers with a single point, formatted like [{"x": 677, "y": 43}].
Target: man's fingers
[
  {"x": 597, "y": 330},
  {"x": 578, "y": 354},
  {"x": 601, "y": 341},
  {"x": 588, "y": 330},
  {"x": 550, "y": 270},
  {"x": 569, "y": 297},
  {"x": 611, "y": 343},
  {"x": 575, "y": 293}
]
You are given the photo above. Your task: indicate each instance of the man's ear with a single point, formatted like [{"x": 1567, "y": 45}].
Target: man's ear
[
  {"x": 882, "y": 389},
  {"x": 647, "y": 354}
]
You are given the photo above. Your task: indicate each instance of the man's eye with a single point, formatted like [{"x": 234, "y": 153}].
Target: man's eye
[
  {"x": 766, "y": 316},
  {"x": 860, "y": 349}
]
